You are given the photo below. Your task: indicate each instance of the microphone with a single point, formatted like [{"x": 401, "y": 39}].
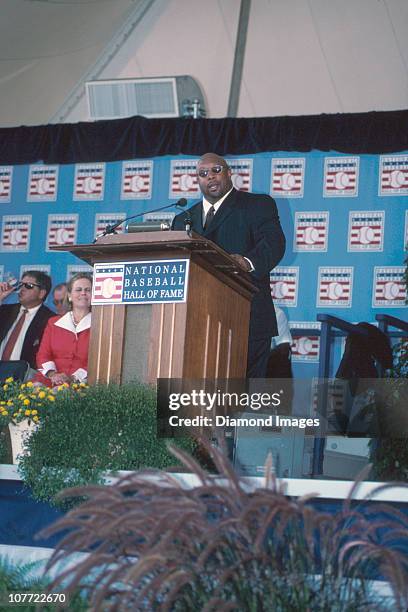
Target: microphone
[
  {"x": 188, "y": 223},
  {"x": 110, "y": 229},
  {"x": 142, "y": 226}
]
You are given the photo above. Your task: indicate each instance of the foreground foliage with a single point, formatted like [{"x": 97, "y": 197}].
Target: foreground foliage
[
  {"x": 107, "y": 428},
  {"x": 390, "y": 455},
  {"x": 23, "y": 578},
  {"x": 154, "y": 545}
]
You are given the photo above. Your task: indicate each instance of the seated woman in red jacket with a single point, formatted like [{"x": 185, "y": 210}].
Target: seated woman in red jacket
[{"x": 63, "y": 353}]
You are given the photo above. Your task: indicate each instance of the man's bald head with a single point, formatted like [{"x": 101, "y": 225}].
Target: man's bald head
[{"x": 212, "y": 158}]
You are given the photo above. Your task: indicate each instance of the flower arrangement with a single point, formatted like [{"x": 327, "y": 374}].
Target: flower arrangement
[
  {"x": 20, "y": 401},
  {"x": 24, "y": 406}
]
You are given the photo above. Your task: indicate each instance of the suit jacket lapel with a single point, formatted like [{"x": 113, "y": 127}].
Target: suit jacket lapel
[
  {"x": 196, "y": 214},
  {"x": 32, "y": 331},
  {"x": 8, "y": 319},
  {"x": 222, "y": 213}
]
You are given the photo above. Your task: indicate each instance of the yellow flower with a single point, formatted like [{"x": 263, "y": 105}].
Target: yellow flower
[
  {"x": 23, "y": 386},
  {"x": 83, "y": 385},
  {"x": 5, "y": 412},
  {"x": 36, "y": 419},
  {"x": 5, "y": 387},
  {"x": 2, "y": 403},
  {"x": 41, "y": 394},
  {"x": 29, "y": 384},
  {"x": 60, "y": 388},
  {"x": 10, "y": 403},
  {"x": 21, "y": 396},
  {"x": 14, "y": 415},
  {"x": 26, "y": 402},
  {"x": 27, "y": 412},
  {"x": 51, "y": 398},
  {"x": 9, "y": 379},
  {"x": 34, "y": 412}
]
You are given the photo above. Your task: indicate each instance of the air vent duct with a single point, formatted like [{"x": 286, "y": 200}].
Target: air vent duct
[{"x": 151, "y": 97}]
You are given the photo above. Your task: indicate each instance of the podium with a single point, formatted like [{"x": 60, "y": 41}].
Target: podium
[{"x": 204, "y": 337}]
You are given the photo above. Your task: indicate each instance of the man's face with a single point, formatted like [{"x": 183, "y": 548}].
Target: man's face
[
  {"x": 59, "y": 300},
  {"x": 31, "y": 297},
  {"x": 214, "y": 177}
]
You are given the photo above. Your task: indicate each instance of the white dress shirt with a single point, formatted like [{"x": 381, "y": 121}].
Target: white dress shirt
[{"x": 207, "y": 205}]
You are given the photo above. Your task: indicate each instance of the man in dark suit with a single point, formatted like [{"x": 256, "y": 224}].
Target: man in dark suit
[
  {"x": 247, "y": 226},
  {"x": 22, "y": 324}
]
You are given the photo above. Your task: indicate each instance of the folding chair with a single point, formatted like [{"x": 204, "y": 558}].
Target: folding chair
[{"x": 19, "y": 370}]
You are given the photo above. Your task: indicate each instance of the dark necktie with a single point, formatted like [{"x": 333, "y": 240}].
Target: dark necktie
[
  {"x": 209, "y": 217},
  {"x": 8, "y": 349}
]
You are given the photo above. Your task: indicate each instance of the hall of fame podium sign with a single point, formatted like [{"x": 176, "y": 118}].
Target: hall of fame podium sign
[{"x": 141, "y": 282}]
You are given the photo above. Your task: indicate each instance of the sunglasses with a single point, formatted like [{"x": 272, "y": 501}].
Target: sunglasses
[
  {"x": 204, "y": 172},
  {"x": 29, "y": 285}
]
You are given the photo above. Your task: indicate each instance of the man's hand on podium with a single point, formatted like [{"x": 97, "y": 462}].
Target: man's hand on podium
[{"x": 244, "y": 263}]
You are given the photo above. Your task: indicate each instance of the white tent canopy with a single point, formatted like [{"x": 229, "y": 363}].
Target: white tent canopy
[{"x": 302, "y": 56}]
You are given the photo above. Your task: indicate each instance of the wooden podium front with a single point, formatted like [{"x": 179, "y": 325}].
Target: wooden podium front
[{"x": 205, "y": 337}]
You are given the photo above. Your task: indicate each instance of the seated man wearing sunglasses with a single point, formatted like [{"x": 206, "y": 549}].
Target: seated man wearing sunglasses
[
  {"x": 22, "y": 324},
  {"x": 247, "y": 226}
]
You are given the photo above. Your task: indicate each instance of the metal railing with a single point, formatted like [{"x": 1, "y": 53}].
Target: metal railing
[{"x": 332, "y": 327}]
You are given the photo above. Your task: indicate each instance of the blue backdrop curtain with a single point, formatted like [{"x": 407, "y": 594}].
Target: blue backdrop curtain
[{"x": 340, "y": 182}]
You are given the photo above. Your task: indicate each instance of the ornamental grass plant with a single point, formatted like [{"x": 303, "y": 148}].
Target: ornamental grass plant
[
  {"x": 155, "y": 545},
  {"x": 106, "y": 428}
]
